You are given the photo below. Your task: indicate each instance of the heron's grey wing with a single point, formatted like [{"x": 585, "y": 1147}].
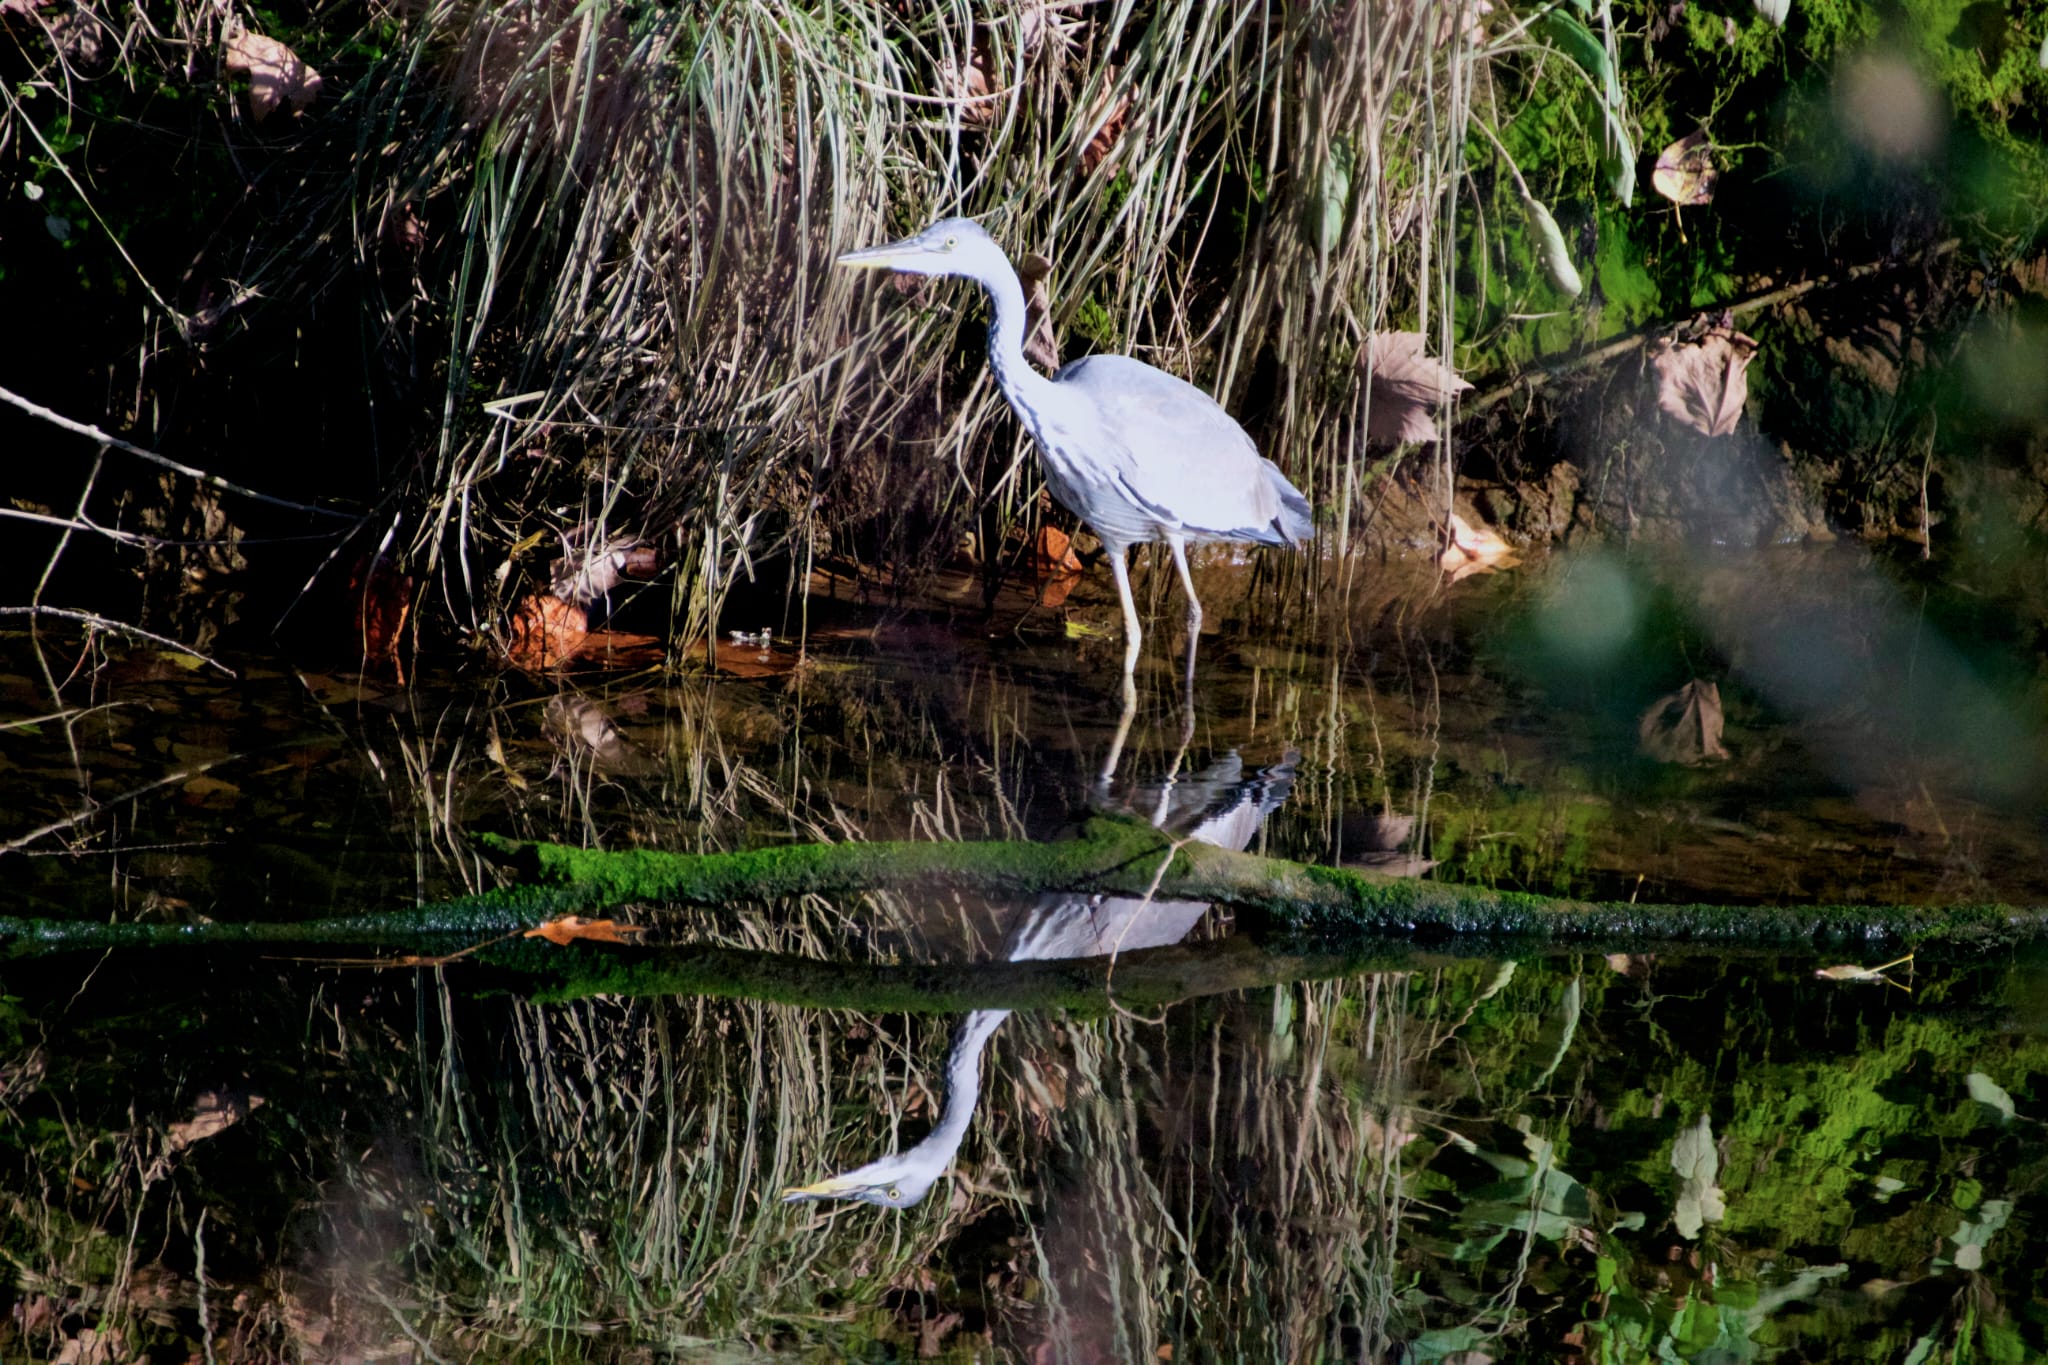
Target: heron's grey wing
[
  {"x": 1059, "y": 926},
  {"x": 1185, "y": 460}
]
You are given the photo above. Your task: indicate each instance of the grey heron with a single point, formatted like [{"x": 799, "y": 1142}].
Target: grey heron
[
  {"x": 1218, "y": 805},
  {"x": 1136, "y": 453}
]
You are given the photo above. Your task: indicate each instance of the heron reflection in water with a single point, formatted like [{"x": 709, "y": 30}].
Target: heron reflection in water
[
  {"x": 1219, "y": 805},
  {"x": 1138, "y": 454}
]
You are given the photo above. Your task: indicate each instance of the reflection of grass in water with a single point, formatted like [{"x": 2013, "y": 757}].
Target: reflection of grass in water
[
  {"x": 1525, "y": 841},
  {"x": 1274, "y": 1175}
]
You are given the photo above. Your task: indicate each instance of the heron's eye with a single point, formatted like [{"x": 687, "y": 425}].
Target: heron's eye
[
  {"x": 895, "y": 1193},
  {"x": 951, "y": 242}
]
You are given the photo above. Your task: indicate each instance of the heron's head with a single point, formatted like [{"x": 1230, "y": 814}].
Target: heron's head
[
  {"x": 894, "y": 1182},
  {"x": 951, "y": 246}
]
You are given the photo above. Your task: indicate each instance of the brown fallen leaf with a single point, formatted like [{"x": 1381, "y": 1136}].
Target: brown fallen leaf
[
  {"x": 381, "y": 598},
  {"x": 213, "y": 1111},
  {"x": 275, "y": 72},
  {"x": 968, "y": 88},
  {"x": 544, "y": 632},
  {"x": 1106, "y": 120},
  {"x": 1849, "y": 971},
  {"x": 1474, "y": 550},
  {"x": 1685, "y": 172},
  {"x": 93, "y": 1346},
  {"x": 1702, "y": 383},
  {"x": 570, "y": 928},
  {"x": 1041, "y": 347},
  {"x": 1406, "y": 386},
  {"x": 1684, "y": 727},
  {"x": 1052, "y": 553}
]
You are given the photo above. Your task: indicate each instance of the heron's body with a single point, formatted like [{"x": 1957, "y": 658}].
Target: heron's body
[{"x": 1136, "y": 453}]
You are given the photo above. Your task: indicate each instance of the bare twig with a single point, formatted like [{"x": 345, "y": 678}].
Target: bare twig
[
  {"x": 98, "y": 622},
  {"x": 198, "y": 475}
]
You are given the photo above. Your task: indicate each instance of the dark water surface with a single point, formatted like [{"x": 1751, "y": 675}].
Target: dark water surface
[{"x": 1398, "y": 1151}]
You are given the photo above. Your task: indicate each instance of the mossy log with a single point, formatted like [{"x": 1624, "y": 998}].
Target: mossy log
[
  {"x": 1129, "y": 857},
  {"x": 1113, "y": 856}
]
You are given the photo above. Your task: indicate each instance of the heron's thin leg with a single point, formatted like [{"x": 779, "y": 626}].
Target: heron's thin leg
[
  {"x": 1133, "y": 632},
  {"x": 1116, "y": 746},
  {"x": 1179, "y": 546}
]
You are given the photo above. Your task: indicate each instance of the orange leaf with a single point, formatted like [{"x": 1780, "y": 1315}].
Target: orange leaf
[
  {"x": 569, "y": 928},
  {"x": 1053, "y": 553},
  {"x": 382, "y": 598},
  {"x": 544, "y": 632}
]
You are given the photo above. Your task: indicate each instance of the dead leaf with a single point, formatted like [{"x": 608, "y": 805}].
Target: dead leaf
[
  {"x": 1474, "y": 550},
  {"x": 275, "y": 73},
  {"x": 8, "y": 7},
  {"x": 1849, "y": 971},
  {"x": 932, "y": 1334},
  {"x": 1040, "y": 24},
  {"x": 1702, "y": 383},
  {"x": 968, "y": 87},
  {"x": 1685, "y": 172},
  {"x": 382, "y": 601},
  {"x": 622, "y": 649},
  {"x": 211, "y": 1112},
  {"x": 1406, "y": 387},
  {"x": 544, "y": 632},
  {"x": 202, "y": 787},
  {"x": 92, "y": 1347},
  {"x": 1052, "y": 553},
  {"x": 1698, "y": 1163},
  {"x": 571, "y": 928},
  {"x": 1684, "y": 727},
  {"x": 1106, "y": 120},
  {"x": 1041, "y": 347},
  {"x": 405, "y": 230}
]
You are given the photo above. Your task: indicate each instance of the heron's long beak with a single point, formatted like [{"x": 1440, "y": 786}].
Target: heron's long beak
[
  {"x": 829, "y": 1188},
  {"x": 879, "y": 257}
]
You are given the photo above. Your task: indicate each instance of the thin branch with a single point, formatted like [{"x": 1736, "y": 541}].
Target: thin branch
[
  {"x": 93, "y": 433},
  {"x": 1533, "y": 379},
  {"x": 98, "y": 622},
  {"x": 79, "y": 524}
]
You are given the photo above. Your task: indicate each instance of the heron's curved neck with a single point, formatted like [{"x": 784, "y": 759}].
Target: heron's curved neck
[
  {"x": 1019, "y": 382},
  {"x": 963, "y": 1085}
]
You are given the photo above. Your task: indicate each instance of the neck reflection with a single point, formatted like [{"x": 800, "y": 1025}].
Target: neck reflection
[{"x": 1219, "y": 805}]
